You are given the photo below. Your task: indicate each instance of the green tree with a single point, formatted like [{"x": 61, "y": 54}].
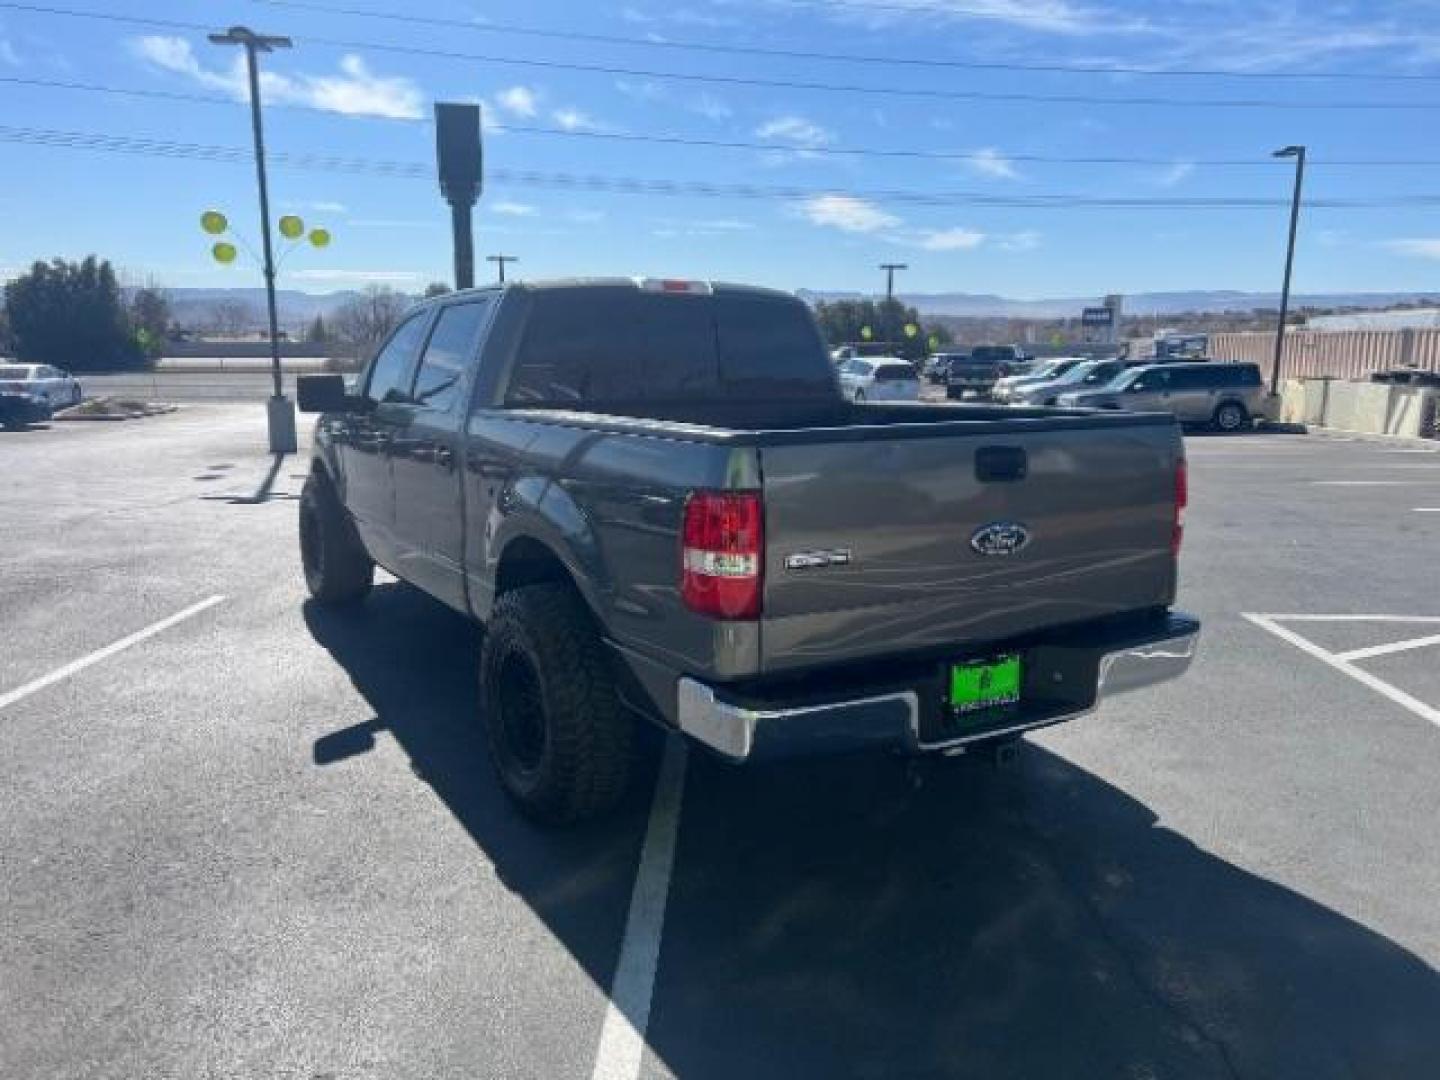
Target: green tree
[
  {"x": 72, "y": 315},
  {"x": 317, "y": 333},
  {"x": 150, "y": 319},
  {"x": 841, "y": 323},
  {"x": 436, "y": 288}
]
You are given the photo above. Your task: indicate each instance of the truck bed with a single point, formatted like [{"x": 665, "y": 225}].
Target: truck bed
[{"x": 892, "y": 497}]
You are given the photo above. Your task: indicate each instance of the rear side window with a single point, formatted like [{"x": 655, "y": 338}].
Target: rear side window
[
  {"x": 894, "y": 372},
  {"x": 620, "y": 345},
  {"x": 1157, "y": 379},
  {"x": 1186, "y": 378},
  {"x": 390, "y": 373},
  {"x": 451, "y": 350}
]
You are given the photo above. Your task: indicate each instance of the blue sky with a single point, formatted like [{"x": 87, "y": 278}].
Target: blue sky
[{"x": 354, "y": 87}]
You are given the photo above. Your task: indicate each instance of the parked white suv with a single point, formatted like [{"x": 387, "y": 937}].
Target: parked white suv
[
  {"x": 879, "y": 378},
  {"x": 46, "y": 386}
]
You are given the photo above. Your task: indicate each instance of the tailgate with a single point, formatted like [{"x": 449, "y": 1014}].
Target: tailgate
[{"x": 1095, "y": 501}]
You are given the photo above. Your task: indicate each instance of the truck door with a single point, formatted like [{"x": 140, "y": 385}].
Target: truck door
[
  {"x": 426, "y": 454},
  {"x": 364, "y": 437}
]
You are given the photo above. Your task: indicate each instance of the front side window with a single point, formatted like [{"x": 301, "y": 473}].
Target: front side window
[
  {"x": 451, "y": 350},
  {"x": 390, "y": 373}
]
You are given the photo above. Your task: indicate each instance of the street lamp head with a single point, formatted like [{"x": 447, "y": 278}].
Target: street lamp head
[
  {"x": 243, "y": 35},
  {"x": 1289, "y": 151}
]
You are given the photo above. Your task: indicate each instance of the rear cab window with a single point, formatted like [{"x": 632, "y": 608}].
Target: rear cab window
[{"x": 599, "y": 346}]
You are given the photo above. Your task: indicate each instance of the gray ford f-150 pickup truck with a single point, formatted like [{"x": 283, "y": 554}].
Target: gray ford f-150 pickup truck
[{"x": 655, "y": 499}]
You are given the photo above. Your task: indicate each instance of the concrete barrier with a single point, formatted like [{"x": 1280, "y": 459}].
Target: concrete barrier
[{"x": 1361, "y": 407}]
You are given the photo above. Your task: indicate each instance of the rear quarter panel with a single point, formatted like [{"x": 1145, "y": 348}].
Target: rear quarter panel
[{"x": 609, "y": 506}]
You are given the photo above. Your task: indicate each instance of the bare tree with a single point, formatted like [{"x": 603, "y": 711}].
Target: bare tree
[
  {"x": 229, "y": 316},
  {"x": 359, "y": 325}
]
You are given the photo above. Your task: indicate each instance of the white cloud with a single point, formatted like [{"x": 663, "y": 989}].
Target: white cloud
[
  {"x": 514, "y": 209},
  {"x": 327, "y": 206},
  {"x": 1039, "y": 16},
  {"x": 355, "y": 91},
  {"x": 712, "y": 108},
  {"x": 641, "y": 89},
  {"x": 1175, "y": 174},
  {"x": 574, "y": 120},
  {"x": 956, "y": 239},
  {"x": 1425, "y": 247},
  {"x": 846, "y": 213},
  {"x": 8, "y": 54},
  {"x": 1025, "y": 240},
  {"x": 517, "y": 101},
  {"x": 795, "y": 130},
  {"x": 992, "y": 163}
]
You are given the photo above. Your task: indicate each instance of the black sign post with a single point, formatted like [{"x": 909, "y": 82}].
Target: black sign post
[{"x": 458, "y": 156}]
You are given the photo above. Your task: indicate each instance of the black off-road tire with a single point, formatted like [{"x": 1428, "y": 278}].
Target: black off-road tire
[
  {"x": 338, "y": 570},
  {"x": 1230, "y": 416},
  {"x": 561, "y": 742}
]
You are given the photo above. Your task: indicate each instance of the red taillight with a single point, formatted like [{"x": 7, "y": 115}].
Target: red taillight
[
  {"x": 723, "y": 550},
  {"x": 1182, "y": 499}
]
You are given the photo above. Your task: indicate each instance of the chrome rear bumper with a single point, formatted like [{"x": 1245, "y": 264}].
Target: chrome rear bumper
[{"x": 746, "y": 731}]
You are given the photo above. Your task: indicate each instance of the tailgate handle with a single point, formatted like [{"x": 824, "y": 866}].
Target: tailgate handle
[{"x": 1000, "y": 464}]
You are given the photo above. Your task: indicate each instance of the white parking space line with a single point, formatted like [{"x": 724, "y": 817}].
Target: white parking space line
[
  {"x": 1423, "y": 619},
  {"x": 622, "y": 1038},
  {"x": 12, "y": 696},
  {"x": 1393, "y": 647},
  {"x": 1339, "y": 663},
  {"x": 1427, "y": 510},
  {"x": 1369, "y": 483}
]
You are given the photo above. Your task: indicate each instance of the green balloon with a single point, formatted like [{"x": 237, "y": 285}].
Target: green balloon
[
  {"x": 213, "y": 222},
  {"x": 934, "y": 342},
  {"x": 223, "y": 252},
  {"x": 320, "y": 238},
  {"x": 911, "y": 329},
  {"x": 866, "y": 333},
  {"x": 291, "y": 227}
]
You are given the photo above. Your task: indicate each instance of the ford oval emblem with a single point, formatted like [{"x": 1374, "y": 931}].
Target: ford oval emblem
[{"x": 1000, "y": 538}]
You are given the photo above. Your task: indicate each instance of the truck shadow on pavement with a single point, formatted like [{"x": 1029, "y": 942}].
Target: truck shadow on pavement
[{"x": 832, "y": 919}]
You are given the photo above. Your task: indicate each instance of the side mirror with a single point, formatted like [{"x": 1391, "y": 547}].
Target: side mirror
[{"x": 324, "y": 393}]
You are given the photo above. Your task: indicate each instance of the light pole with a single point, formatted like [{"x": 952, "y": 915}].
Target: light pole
[
  {"x": 1298, "y": 153},
  {"x": 890, "y": 269},
  {"x": 500, "y": 261},
  {"x": 279, "y": 411}
]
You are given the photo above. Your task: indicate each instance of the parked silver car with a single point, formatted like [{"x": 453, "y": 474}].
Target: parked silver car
[
  {"x": 879, "y": 378},
  {"x": 1229, "y": 396},
  {"x": 1082, "y": 377},
  {"x": 1043, "y": 371},
  {"x": 47, "y": 387}
]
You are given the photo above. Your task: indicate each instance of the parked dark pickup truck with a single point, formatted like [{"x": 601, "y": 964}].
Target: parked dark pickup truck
[{"x": 654, "y": 497}]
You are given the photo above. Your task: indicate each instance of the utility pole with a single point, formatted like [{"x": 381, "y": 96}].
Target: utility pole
[
  {"x": 890, "y": 269},
  {"x": 280, "y": 413},
  {"x": 1298, "y": 153},
  {"x": 500, "y": 261}
]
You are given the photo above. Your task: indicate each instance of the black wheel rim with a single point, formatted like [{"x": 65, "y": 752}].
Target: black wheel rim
[
  {"x": 522, "y": 711},
  {"x": 1229, "y": 417}
]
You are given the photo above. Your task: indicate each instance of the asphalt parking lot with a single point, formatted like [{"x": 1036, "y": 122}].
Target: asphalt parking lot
[{"x": 244, "y": 837}]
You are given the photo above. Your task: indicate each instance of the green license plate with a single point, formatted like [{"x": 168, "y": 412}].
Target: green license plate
[{"x": 984, "y": 684}]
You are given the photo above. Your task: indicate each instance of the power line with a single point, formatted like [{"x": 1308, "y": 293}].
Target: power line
[
  {"x": 163, "y": 148},
  {"x": 665, "y": 139},
  {"x": 932, "y": 93},
  {"x": 492, "y": 27}
]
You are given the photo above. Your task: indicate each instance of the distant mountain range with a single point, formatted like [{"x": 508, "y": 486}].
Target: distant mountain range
[
  {"x": 195, "y": 307},
  {"x": 981, "y": 305}
]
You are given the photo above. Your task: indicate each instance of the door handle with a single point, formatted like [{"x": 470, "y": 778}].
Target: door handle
[{"x": 445, "y": 457}]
